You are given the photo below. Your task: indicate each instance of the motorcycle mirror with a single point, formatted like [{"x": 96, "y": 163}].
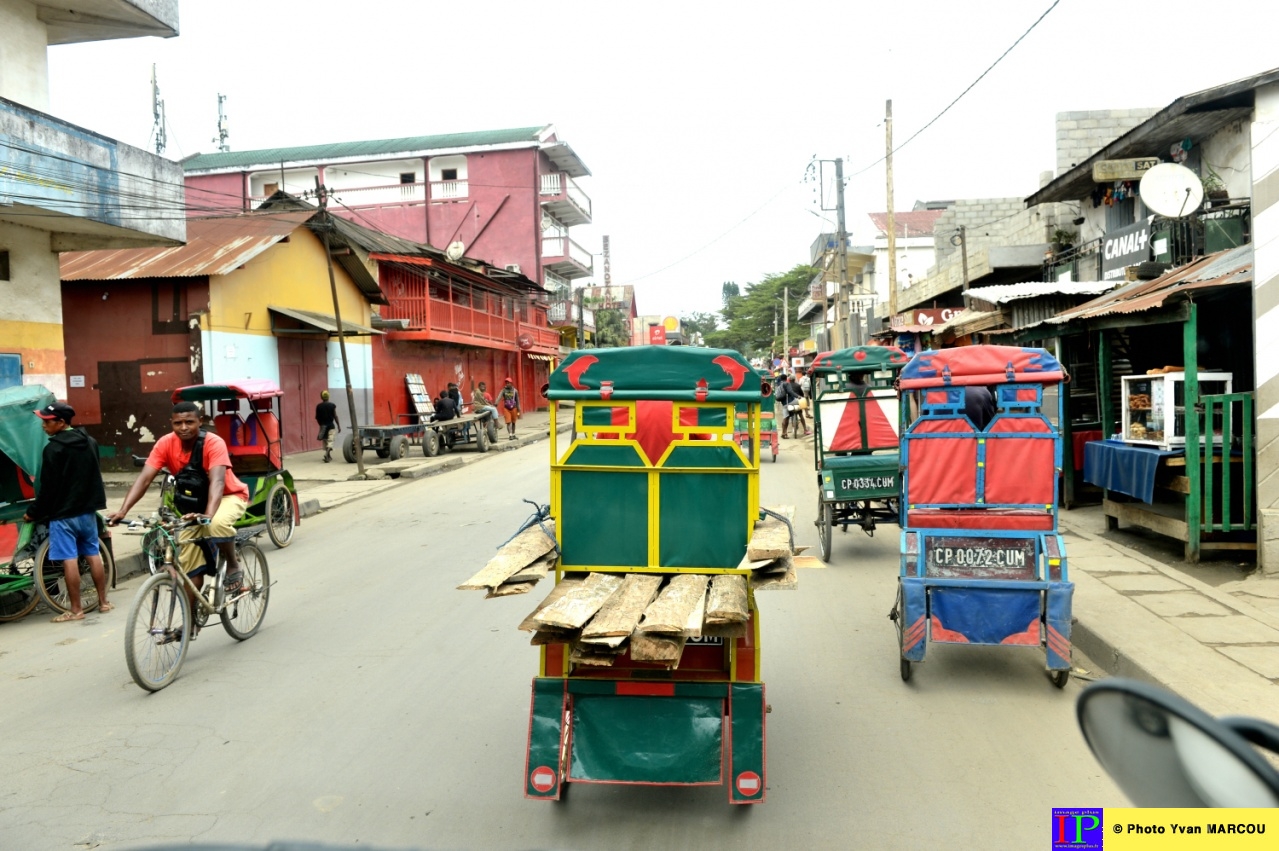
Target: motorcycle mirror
[{"x": 1163, "y": 751}]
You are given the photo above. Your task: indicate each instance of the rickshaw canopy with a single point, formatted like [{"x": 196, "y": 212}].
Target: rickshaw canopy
[
  {"x": 22, "y": 439},
  {"x": 859, "y": 359},
  {"x": 677, "y": 373},
  {"x": 252, "y": 389},
  {"x": 968, "y": 365}
]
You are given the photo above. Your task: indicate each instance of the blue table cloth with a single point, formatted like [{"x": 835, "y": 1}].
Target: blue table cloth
[{"x": 1124, "y": 467}]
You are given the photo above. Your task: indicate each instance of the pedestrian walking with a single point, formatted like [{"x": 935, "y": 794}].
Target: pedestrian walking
[
  {"x": 326, "y": 415},
  {"x": 509, "y": 403},
  {"x": 801, "y": 404},
  {"x": 68, "y": 496},
  {"x": 782, "y": 398}
]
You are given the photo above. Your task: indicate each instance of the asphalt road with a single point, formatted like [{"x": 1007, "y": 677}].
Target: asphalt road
[{"x": 380, "y": 707}]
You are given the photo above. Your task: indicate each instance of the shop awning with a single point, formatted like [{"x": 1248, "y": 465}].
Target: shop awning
[
  {"x": 290, "y": 322},
  {"x": 546, "y": 358}
]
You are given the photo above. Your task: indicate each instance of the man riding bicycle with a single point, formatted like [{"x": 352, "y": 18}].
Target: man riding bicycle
[{"x": 205, "y": 487}]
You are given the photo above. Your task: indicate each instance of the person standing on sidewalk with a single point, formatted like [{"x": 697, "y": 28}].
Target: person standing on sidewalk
[
  {"x": 68, "y": 497},
  {"x": 509, "y": 403},
  {"x": 326, "y": 415}
]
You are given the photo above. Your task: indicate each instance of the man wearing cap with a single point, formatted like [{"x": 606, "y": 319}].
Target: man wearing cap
[
  {"x": 326, "y": 415},
  {"x": 68, "y": 496},
  {"x": 508, "y": 401}
]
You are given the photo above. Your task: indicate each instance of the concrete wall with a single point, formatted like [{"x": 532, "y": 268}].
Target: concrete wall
[
  {"x": 1228, "y": 152},
  {"x": 983, "y": 217},
  {"x": 31, "y": 309},
  {"x": 1083, "y": 133},
  {"x": 24, "y": 64}
]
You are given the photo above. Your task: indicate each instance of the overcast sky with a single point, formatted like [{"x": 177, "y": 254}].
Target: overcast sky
[{"x": 697, "y": 119}]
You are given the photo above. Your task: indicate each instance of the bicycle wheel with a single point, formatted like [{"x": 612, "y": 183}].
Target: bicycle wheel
[
  {"x": 158, "y": 632},
  {"x": 17, "y": 591},
  {"x": 51, "y": 579},
  {"x": 242, "y": 617},
  {"x": 279, "y": 515}
]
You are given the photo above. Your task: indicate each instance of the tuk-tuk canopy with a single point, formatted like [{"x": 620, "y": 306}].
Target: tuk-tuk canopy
[
  {"x": 859, "y": 359},
  {"x": 249, "y": 388},
  {"x": 677, "y": 373},
  {"x": 985, "y": 365},
  {"x": 22, "y": 438}
]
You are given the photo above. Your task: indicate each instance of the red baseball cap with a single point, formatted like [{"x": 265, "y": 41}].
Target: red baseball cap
[
  {"x": 56, "y": 411},
  {"x": 508, "y": 380}
]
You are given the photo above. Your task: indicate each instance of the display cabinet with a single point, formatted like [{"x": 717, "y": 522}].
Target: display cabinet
[{"x": 1154, "y": 407}]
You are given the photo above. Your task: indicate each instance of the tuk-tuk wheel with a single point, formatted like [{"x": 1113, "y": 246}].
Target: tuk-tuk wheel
[
  {"x": 825, "y": 525},
  {"x": 279, "y": 515},
  {"x": 431, "y": 443},
  {"x": 905, "y": 670},
  {"x": 1059, "y": 678}
]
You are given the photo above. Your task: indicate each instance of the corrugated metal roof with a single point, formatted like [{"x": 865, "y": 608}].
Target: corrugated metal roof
[
  {"x": 215, "y": 246},
  {"x": 970, "y": 322},
  {"x": 346, "y": 150},
  {"x": 1004, "y": 293},
  {"x": 1225, "y": 268}
]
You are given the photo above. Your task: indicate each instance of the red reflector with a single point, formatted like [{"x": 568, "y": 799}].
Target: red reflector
[{"x": 647, "y": 689}]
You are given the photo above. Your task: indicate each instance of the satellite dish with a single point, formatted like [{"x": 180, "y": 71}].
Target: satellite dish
[
  {"x": 1171, "y": 190},
  {"x": 455, "y": 250}
]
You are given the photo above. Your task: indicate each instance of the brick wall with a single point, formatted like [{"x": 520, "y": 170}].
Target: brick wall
[{"x": 1082, "y": 134}]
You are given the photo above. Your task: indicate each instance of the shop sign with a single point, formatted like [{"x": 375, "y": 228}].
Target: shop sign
[
  {"x": 927, "y": 316},
  {"x": 657, "y": 336},
  {"x": 1124, "y": 247},
  {"x": 1108, "y": 171}
]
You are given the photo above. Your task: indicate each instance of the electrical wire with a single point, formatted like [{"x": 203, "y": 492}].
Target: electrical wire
[{"x": 971, "y": 85}]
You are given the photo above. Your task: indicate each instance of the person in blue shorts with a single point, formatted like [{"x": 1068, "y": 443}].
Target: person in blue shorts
[{"x": 68, "y": 496}]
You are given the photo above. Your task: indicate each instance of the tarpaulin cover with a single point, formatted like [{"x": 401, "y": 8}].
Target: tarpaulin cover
[
  {"x": 859, "y": 359},
  {"x": 984, "y": 615},
  {"x": 980, "y": 365},
  {"x": 858, "y": 420},
  {"x": 22, "y": 439},
  {"x": 1124, "y": 468},
  {"x": 250, "y": 388},
  {"x": 681, "y": 373},
  {"x": 677, "y": 740},
  {"x": 941, "y": 470},
  {"x": 1020, "y": 470}
]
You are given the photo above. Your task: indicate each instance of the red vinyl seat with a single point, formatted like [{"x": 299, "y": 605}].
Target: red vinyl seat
[{"x": 1005, "y": 519}]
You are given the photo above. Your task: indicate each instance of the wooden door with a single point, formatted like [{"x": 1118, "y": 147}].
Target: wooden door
[{"x": 304, "y": 374}]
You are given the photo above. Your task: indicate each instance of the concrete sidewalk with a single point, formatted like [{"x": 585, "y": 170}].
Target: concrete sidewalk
[{"x": 1137, "y": 617}]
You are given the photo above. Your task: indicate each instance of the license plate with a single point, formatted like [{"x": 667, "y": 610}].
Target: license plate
[
  {"x": 988, "y": 557},
  {"x": 869, "y": 483}
]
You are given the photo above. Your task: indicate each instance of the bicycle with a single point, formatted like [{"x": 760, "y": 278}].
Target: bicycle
[{"x": 161, "y": 626}]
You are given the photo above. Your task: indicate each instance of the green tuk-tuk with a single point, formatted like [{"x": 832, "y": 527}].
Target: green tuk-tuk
[{"x": 856, "y": 420}]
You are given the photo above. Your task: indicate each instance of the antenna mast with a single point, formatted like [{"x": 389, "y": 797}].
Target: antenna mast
[
  {"x": 223, "y": 132},
  {"x": 157, "y": 112}
]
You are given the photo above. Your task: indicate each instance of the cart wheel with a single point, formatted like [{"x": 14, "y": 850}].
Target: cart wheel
[
  {"x": 51, "y": 582},
  {"x": 18, "y": 602},
  {"x": 399, "y": 447},
  {"x": 348, "y": 447},
  {"x": 775, "y": 451},
  {"x": 481, "y": 438},
  {"x": 431, "y": 443},
  {"x": 491, "y": 428},
  {"x": 825, "y": 525},
  {"x": 383, "y": 451},
  {"x": 1059, "y": 678},
  {"x": 905, "y": 670},
  {"x": 280, "y": 518},
  {"x": 898, "y": 616}
]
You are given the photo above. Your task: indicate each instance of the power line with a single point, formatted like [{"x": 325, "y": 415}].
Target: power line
[{"x": 961, "y": 94}]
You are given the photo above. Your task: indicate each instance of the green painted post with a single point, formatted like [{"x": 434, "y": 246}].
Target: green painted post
[
  {"x": 1190, "y": 349},
  {"x": 1227, "y": 422},
  {"x": 1209, "y": 514},
  {"x": 1248, "y": 482}
]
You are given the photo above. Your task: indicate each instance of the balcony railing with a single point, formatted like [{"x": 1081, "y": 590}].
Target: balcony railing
[
  {"x": 564, "y": 312},
  {"x": 566, "y": 258},
  {"x": 448, "y": 190},
  {"x": 565, "y": 199},
  {"x": 462, "y": 311}
]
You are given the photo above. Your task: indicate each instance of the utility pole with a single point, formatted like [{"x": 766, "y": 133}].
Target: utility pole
[
  {"x": 841, "y": 237},
  {"x": 157, "y": 111},
  {"x": 578, "y": 296},
  {"x": 892, "y": 218},
  {"x": 786, "y": 324},
  {"x": 963, "y": 255},
  {"x": 223, "y": 132},
  {"x": 327, "y": 223}
]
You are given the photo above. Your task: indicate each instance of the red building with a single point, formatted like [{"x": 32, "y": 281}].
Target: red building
[{"x": 500, "y": 203}]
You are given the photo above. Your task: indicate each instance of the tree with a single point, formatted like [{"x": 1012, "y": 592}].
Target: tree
[
  {"x": 610, "y": 329},
  {"x": 697, "y": 326},
  {"x": 752, "y": 316},
  {"x": 729, "y": 291}
]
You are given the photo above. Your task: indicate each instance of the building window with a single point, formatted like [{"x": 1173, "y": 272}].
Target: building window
[
  {"x": 269, "y": 189},
  {"x": 448, "y": 174},
  {"x": 448, "y": 178},
  {"x": 408, "y": 177}
]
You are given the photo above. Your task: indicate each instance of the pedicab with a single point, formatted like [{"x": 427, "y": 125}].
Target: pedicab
[
  {"x": 652, "y": 492},
  {"x": 855, "y": 445},
  {"x": 246, "y": 415},
  {"x": 767, "y": 425},
  {"x": 982, "y": 561},
  {"x": 27, "y": 575}
]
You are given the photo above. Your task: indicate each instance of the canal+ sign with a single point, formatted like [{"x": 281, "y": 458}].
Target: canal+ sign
[{"x": 1124, "y": 247}]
